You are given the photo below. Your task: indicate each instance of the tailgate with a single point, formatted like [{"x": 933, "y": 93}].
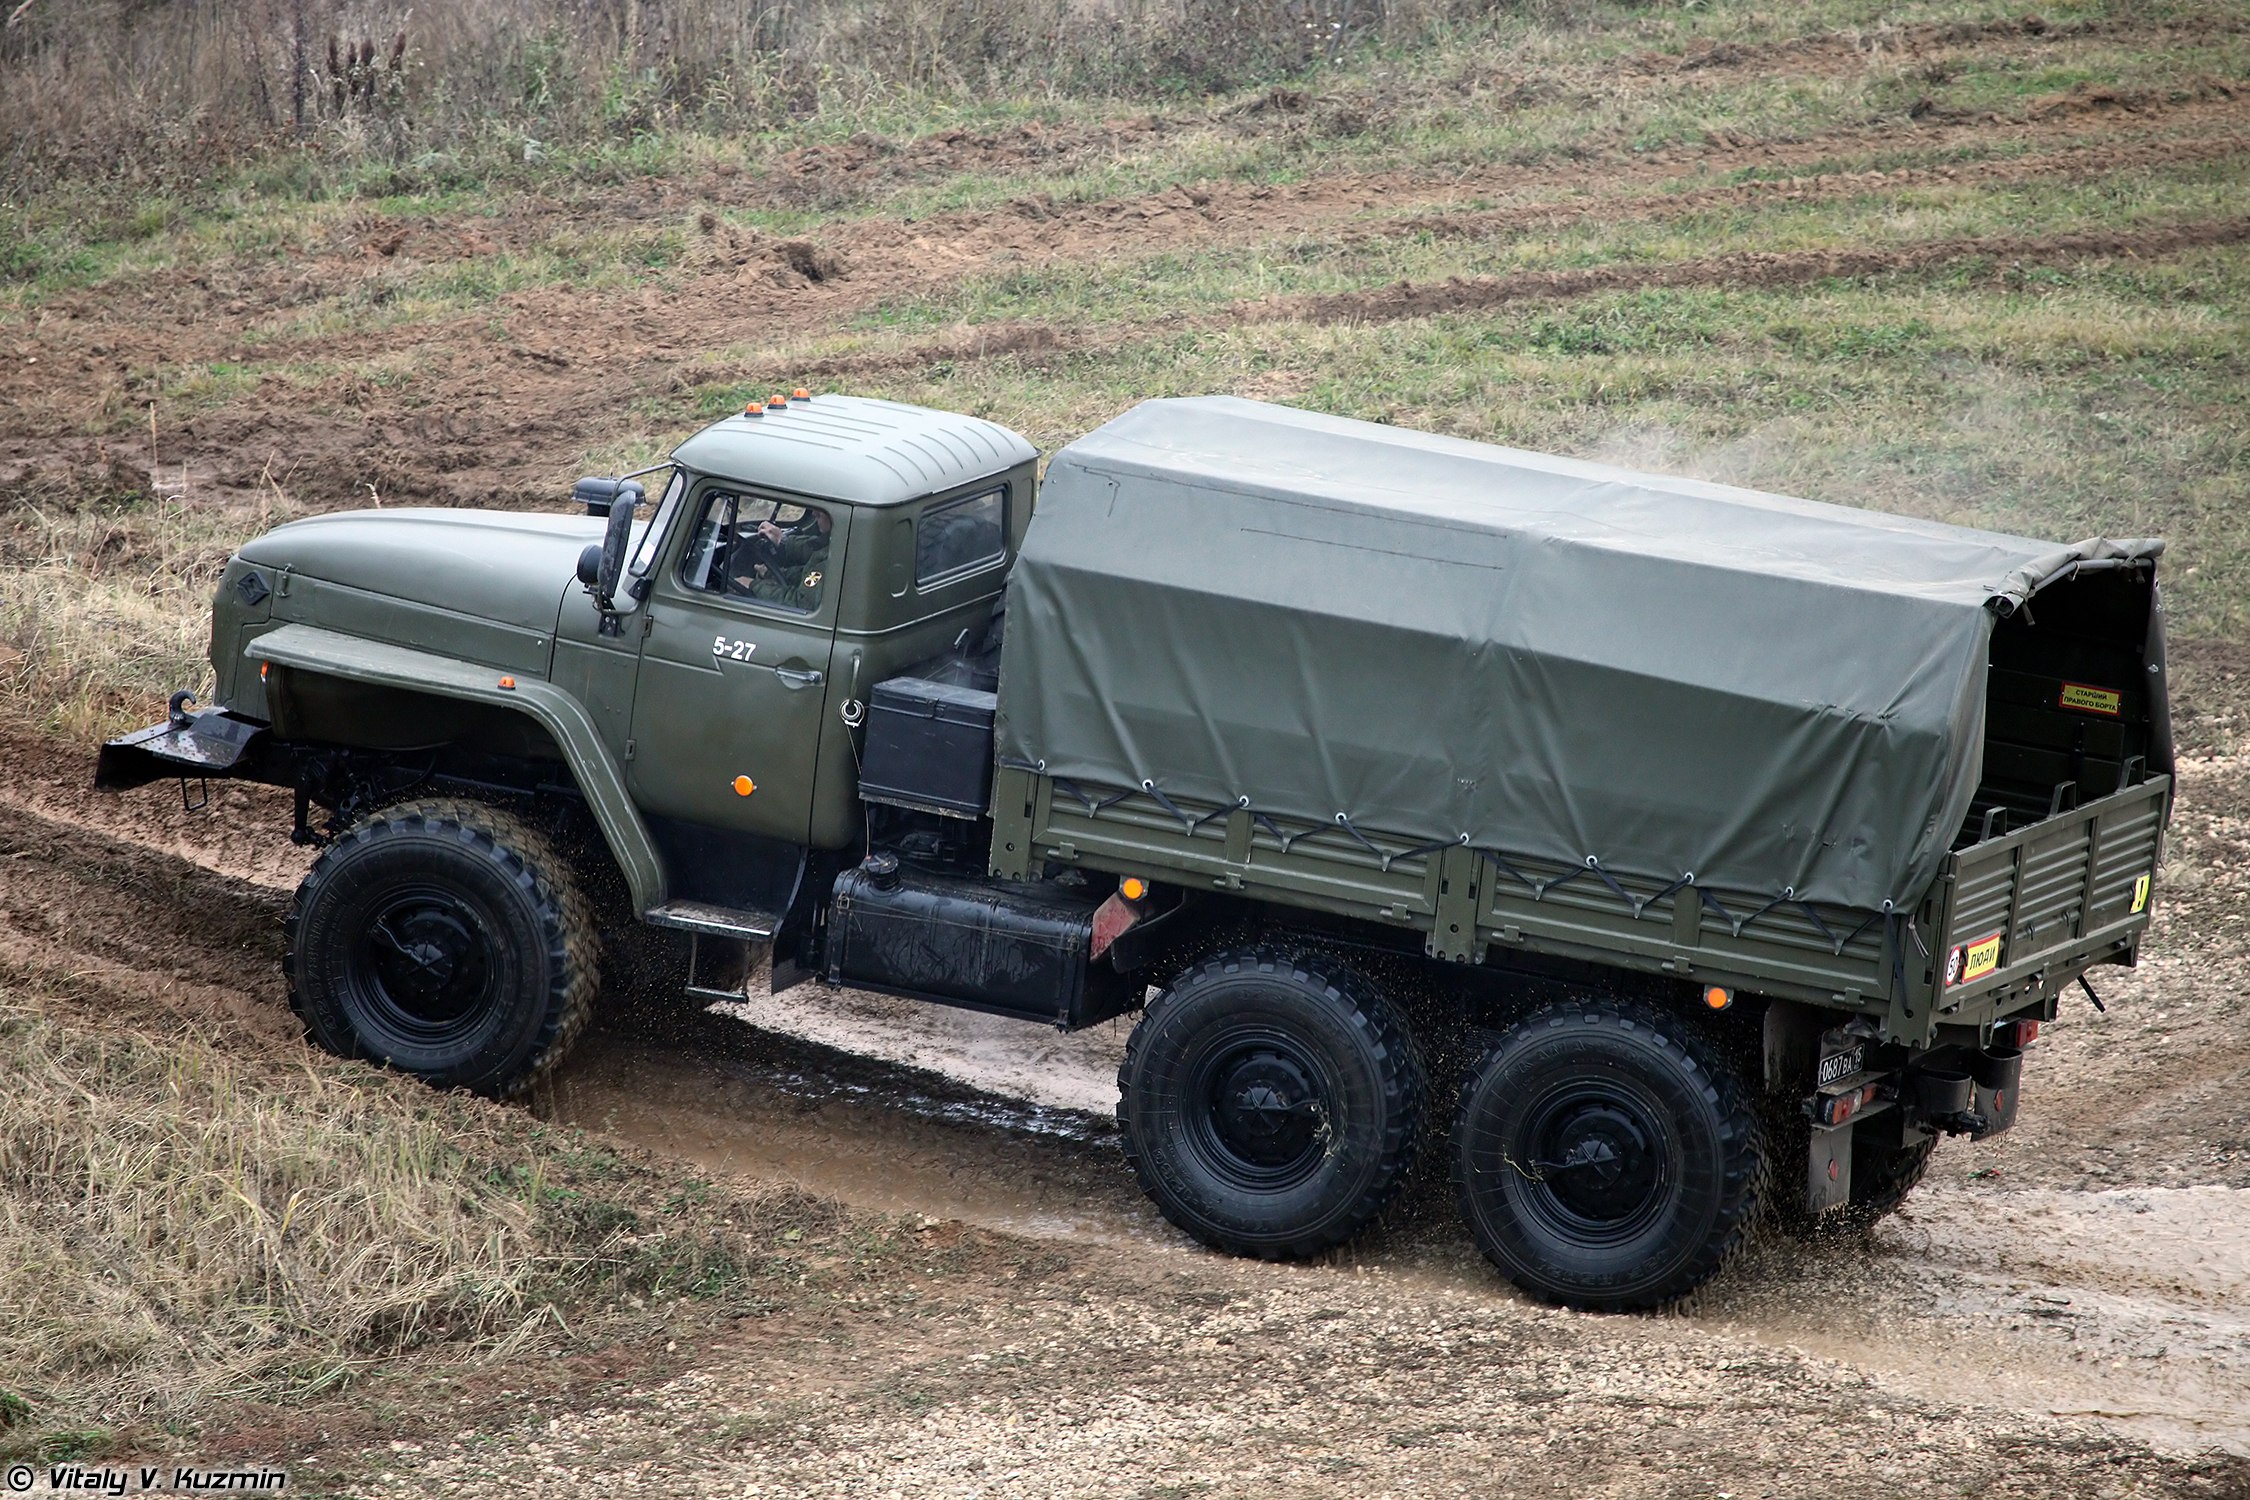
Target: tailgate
[{"x": 2069, "y": 890}]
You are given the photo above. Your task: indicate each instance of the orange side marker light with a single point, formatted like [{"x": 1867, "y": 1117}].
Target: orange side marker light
[
  {"x": 1132, "y": 888},
  {"x": 744, "y": 786},
  {"x": 1718, "y": 998}
]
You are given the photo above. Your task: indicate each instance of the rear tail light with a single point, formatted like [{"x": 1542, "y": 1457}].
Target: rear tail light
[
  {"x": 2015, "y": 1033},
  {"x": 1835, "y": 1109}
]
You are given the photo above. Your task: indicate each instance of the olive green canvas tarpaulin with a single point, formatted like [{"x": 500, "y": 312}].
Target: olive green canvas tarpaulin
[{"x": 1443, "y": 640}]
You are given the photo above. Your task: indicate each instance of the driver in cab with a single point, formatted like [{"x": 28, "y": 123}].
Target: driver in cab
[{"x": 786, "y": 565}]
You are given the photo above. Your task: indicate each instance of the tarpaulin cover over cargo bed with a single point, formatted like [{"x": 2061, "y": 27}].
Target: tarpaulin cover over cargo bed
[{"x": 1437, "y": 638}]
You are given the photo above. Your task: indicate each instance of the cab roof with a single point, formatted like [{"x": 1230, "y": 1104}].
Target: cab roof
[{"x": 856, "y": 450}]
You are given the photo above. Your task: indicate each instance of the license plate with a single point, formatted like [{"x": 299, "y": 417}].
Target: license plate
[{"x": 1838, "y": 1065}]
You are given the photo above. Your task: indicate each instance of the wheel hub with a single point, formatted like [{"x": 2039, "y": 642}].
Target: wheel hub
[
  {"x": 1266, "y": 1111},
  {"x": 1597, "y": 1161},
  {"x": 429, "y": 959}
]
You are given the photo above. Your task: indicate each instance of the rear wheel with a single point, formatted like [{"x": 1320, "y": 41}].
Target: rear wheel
[
  {"x": 446, "y": 939},
  {"x": 1606, "y": 1157},
  {"x": 1271, "y": 1103}
]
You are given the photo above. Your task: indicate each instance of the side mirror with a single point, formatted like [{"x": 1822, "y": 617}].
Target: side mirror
[
  {"x": 601, "y": 567},
  {"x": 598, "y": 494}
]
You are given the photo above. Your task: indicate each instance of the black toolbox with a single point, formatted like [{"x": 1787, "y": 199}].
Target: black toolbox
[{"x": 929, "y": 746}]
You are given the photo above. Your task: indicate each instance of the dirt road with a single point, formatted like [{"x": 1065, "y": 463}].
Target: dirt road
[{"x": 2069, "y": 1305}]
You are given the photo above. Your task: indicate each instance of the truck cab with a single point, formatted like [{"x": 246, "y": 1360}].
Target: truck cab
[{"x": 799, "y": 555}]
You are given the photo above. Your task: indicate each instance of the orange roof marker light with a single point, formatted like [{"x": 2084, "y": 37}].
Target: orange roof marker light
[
  {"x": 508, "y": 682},
  {"x": 1718, "y": 998},
  {"x": 777, "y": 401},
  {"x": 753, "y": 410},
  {"x": 800, "y": 394}
]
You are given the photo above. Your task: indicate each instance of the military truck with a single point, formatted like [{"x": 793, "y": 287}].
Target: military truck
[{"x": 1701, "y": 853}]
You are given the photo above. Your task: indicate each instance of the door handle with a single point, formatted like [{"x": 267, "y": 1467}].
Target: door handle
[{"x": 800, "y": 677}]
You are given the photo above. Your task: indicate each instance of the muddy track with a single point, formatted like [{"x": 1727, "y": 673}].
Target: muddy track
[
  {"x": 2077, "y": 162},
  {"x": 1832, "y": 51},
  {"x": 1039, "y": 341},
  {"x": 1748, "y": 270},
  {"x": 2094, "y": 1264}
]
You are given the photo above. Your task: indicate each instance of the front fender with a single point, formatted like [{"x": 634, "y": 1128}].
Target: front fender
[{"x": 307, "y": 648}]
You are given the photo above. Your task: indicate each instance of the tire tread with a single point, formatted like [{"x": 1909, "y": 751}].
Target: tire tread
[
  {"x": 535, "y": 865},
  {"x": 1388, "y": 1036}
]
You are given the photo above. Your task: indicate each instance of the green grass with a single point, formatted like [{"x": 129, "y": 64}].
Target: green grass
[{"x": 186, "y": 1227}]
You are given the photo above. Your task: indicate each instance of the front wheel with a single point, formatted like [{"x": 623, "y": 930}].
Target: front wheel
[
  {"x": 1606, "y": 1157},
  {"x": 1270, "y": 1103},
  {"x": 446, "y": 939}
]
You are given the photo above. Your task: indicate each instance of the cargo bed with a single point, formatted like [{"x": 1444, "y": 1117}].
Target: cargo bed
[{"x": 2066, "y": 892}]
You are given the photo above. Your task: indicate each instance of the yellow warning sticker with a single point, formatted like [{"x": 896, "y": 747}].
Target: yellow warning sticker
[
  {"x": 2092, "y": 700},
  {"x": 1982, "y": 958},
  {"x": 2140, "y": 895}
]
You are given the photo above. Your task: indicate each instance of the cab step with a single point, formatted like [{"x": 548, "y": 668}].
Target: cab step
[
  {"x": 722, "y": 941},
  {"x": 715, "y": 921}
]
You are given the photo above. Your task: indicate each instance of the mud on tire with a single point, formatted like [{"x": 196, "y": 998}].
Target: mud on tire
[
  {"x": 1606, "y": 1156},
  {"x": 1271, "y": 1103},
  {"x": 447, "y": 939}
]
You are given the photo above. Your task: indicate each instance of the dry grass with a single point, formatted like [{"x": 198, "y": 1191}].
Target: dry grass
[
  {"x": 179, "y": 1226},
  {"x": 108, "y": 593},
  {"x": 117, "y": 86}
]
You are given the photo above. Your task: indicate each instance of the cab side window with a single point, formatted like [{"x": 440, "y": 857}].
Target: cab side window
[
  {"x": 768, "y": 551},
  {"x": 960, "y": 536}
]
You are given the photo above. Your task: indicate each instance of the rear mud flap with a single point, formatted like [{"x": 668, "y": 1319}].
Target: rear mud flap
[
  {"x": 210, "y": 743},
  {"x": 1828, "y": 1167}
]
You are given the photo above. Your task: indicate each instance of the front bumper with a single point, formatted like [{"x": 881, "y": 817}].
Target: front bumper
[{"x": 206, "y": 742}]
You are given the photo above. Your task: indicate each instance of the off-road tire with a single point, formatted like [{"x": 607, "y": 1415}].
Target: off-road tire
[
  {"x": 1669, "y": 1159},
  {"x": 493, "y": 972},
  {"x": 1271, "y": 1102}
]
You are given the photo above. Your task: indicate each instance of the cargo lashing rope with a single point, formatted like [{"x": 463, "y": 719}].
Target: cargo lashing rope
[{"x": 1388, "y": 857}]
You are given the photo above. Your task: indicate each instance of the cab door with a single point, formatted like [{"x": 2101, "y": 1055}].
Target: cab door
[{"x": 736, "y": 670}]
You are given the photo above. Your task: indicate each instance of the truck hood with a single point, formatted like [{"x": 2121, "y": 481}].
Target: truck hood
[{"x": 487, "y": 565}]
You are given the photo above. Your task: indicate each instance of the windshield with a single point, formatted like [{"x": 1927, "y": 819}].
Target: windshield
[{"x": 652, "y": 539}]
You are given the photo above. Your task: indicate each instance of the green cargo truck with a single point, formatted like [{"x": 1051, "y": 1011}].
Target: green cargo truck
[{"x": 1739, "y": 844}]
